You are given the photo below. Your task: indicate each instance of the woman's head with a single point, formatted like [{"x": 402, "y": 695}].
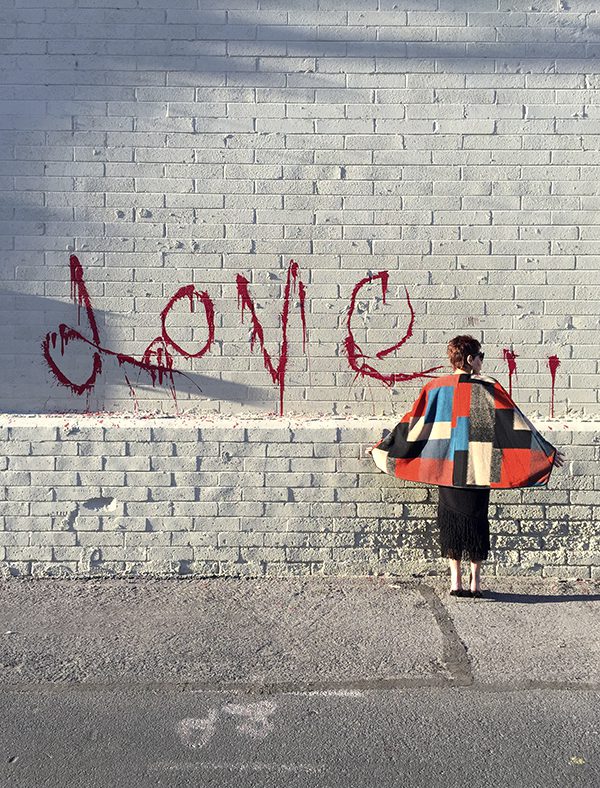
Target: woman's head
[{"x": 464, "y": 352}]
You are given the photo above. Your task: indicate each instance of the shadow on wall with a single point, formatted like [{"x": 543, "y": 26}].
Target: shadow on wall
[
  {"x": 85, "y": 203},
  {"x": 30, "y": 383}
]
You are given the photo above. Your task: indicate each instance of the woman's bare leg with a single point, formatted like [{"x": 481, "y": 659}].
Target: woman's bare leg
[
  {"x": 475, "y": 575},
  {"x": 455, "y": 574}
]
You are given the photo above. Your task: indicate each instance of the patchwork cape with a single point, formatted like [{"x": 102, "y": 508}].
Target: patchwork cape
[{"x": 464, "y": 430}]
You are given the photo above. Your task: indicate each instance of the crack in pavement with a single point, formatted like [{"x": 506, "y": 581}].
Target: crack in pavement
[
  {"x": 454, "y": 651},
  {"x": 283, "y": 687}
]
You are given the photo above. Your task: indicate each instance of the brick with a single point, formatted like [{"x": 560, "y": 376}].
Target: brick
[
  {"x": 37, "y": 433},
  {"x": 14, "y": 538},
  {"x": 33, "y": 553},
  {"x": 32, "y": 463}
]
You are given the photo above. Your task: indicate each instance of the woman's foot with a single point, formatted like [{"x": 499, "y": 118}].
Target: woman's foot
[
  {"x": 456, "y": 588},
  {"x": 474, "y": 585}
]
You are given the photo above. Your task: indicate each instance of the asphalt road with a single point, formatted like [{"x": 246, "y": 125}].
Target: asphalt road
[{"x": 298, "y": 682}]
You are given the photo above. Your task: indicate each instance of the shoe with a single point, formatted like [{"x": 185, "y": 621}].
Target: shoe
[{"x": 459, "y": 592}]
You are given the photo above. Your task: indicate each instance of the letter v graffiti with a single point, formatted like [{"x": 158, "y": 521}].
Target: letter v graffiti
[{"x": 245, "y": 301}]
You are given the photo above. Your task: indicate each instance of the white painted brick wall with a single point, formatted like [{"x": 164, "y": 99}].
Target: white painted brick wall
[
  {"x": 209, "y": 496},
  {"x": 453, "y": 143}
]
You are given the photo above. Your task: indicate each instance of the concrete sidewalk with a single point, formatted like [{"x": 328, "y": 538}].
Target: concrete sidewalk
[
  {"x": 302, "y": 682},
  {"x": 298, "y": 633}
]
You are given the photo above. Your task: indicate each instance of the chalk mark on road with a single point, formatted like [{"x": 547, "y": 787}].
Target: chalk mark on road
[{"x": 198, "y": 731}]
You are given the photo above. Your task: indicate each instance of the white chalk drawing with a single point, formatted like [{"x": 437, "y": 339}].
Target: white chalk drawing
[
  {"x": 255, "y": 716},
  {"x": 198, "y": 731}
]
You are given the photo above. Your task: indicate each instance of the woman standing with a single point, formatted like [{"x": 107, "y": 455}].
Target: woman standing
[{"x": 465, "y": 434}]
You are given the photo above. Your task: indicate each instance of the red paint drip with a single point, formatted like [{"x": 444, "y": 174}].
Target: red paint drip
[
  {"x": 302, "y": 297},
  {"x": 244, "y": 300},
  {"x": 510, "y": 357},
  {"x": 354, "y": 351},
  {"x": 553, "y": 364},
  {"x": 157, "y": 360},
  {"x": 80, "y": 296}
]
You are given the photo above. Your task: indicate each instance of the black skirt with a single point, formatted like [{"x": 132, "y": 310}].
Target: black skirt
[{"x": 464, "y": 528}]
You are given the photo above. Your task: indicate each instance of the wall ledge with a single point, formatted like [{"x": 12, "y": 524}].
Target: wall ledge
[{"x": 567, "y": 424}]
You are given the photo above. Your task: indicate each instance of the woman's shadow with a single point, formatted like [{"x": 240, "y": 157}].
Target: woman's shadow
[{"x": 535, "y": 599}]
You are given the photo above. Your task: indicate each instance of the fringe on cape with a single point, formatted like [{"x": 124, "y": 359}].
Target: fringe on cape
[{"x": 463, "y": 537}]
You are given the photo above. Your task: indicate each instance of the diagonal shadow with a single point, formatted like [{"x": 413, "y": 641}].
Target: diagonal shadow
[{"x": 31, "y": 380}]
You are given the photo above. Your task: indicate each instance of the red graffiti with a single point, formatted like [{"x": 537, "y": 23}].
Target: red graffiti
[
  {"x": 158, "y": 349},
  {"x": 553, "y": 364},
  {"x": 158, "y": 357},
  {"x": 354, "y": 351},
  {"x": 510, "y": 357},
  {"x": 245, "y": 301},
  {"x": 79, "y": 295}
]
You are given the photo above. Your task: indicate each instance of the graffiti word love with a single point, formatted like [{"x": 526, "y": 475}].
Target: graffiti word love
[{"x": 158, "y": 358}]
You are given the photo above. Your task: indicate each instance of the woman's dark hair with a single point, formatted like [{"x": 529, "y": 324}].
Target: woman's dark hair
[{"x": 460, "y": 347}]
